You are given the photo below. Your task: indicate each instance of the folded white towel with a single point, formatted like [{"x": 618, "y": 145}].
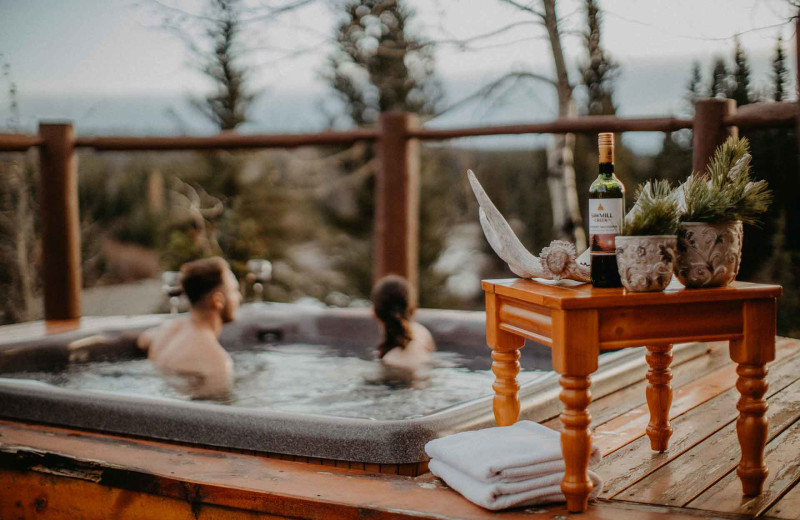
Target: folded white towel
[
  {"x": 499, "y": 495},
  {"x": 506, "y": 453}
]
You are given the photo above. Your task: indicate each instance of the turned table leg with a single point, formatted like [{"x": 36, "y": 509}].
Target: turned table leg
[
  {"x": 505, "y": 366},
  {"x": 752, "y": 427},
  {"x": 751, "y": 353},
  {"x": 659, "y": 395},
  {"x": 576, "y": 441}
]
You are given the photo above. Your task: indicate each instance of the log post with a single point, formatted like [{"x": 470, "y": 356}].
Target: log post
[
  {"x": 58, "y": 206},
  {"x": 708, "y": 131},
  {"x": 397, "y": 198}
]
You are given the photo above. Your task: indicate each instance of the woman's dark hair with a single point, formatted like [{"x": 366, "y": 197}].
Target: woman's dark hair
[
  {"x": 201, "y": 277},
  {"x": 391, "y": 299}
]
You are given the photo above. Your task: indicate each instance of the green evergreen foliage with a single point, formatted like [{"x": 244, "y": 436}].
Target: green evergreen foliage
[
  {"x": 779, "y": 74},
  {"x": 719, "y": 79},
  {"x": 738, "y": 87},
  {"x": 657, "y": 210},
  {"x": 379, "y": 64},
  {"x": 694, "y": 87},
  {"x": 228, "y": 105},
  {"x": 726, "y": 192},
  {"x": 598, "y": 70}
]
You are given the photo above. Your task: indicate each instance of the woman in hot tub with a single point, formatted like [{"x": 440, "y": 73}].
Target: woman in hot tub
[{"x": 406, "y": 345}]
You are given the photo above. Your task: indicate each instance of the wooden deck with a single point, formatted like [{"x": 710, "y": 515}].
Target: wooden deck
[{"x": 48, "y": 472}]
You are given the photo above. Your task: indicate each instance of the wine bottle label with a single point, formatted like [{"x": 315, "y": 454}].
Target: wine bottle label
[{"x": 605, "y": 223}]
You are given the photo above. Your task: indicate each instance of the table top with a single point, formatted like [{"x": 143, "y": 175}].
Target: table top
[{"x": 584, "y": 296}]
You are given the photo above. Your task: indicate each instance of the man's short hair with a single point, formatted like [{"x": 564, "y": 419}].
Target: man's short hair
[{"x": 201, "y": 277}]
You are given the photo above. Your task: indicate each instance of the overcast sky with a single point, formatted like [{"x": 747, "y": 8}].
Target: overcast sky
[{"x": 106, "y": 50}]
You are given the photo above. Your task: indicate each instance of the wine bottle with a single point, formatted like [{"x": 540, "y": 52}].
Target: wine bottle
[{"x": 606, "y": 214}]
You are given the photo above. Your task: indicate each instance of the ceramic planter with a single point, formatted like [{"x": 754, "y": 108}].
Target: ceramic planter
[
  {"x": 645, "y": 263},
  {"x": 709, "y": 255}
]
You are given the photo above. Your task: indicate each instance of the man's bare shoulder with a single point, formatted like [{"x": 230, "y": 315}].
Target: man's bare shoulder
[{"x": 159, "y": 332}]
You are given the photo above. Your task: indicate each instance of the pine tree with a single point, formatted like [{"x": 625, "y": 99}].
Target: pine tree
[
  {"x": 599, "y": 70},
  {"x": 378, "y": 64},
  {"x": 780, "y": 74},
  {"x": 719, "y": 79},
  {"x": 228, "y": 105},
  {"x": 694, "y": 88},
  {"x": 739, "y": 83}
]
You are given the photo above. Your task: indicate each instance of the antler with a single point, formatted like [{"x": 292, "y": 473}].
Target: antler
[{"x": 557, "y": 261}]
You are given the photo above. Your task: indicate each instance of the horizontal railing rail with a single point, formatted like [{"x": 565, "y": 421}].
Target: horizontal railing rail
[
  {"x": 754, "y": 116},
  {"x": 575, "y": 125},
  {"x": 18, "y": 142},
  {"x": 225, "y": 141}
]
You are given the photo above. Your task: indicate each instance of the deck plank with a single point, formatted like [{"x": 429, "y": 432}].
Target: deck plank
[
  {"x": 626, "y": 466},
  {"x": 687, "y": 476},
  {"x": 695, "y": 382},
  {"x": 629, "y": 426},
  {"x": 632, "y": 396},
  {"x": 788, "y": 506},
  {"x": 780, "y": 456},
  {"x": 62, "y": 471}
]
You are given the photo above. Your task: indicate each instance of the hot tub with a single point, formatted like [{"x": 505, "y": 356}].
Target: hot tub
[{"x": 390, "y": 445}]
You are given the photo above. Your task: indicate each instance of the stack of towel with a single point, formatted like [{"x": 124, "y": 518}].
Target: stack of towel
[{"x": 509, "y": 466}]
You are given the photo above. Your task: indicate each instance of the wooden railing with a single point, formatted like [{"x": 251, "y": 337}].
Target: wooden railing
[{"x": 397, "y": 136}]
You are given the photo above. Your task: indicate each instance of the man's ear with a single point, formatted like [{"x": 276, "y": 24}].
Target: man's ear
[{"x": 218, "y": 300}]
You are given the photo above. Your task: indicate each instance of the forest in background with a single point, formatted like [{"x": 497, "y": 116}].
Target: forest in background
[{"x": 310, "y": 210}]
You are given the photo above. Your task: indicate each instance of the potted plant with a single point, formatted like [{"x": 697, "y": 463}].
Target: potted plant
[
  {"x": 646, "y": 250},
  {"x": 716, "y": 204}
]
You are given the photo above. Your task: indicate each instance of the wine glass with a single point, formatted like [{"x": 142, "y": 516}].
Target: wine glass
[
  {"x": 171, "y": 287},
  {"x": 259, "y": 271}
]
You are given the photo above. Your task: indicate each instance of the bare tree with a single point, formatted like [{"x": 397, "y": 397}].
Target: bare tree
[{"x": 567, "y": 222}]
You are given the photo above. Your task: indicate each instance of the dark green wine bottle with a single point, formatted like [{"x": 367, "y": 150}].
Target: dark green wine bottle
[{"x": 606, "y": 214}]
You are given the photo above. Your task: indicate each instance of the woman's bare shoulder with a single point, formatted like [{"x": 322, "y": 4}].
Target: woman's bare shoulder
[{"x": 421, "y": 335}]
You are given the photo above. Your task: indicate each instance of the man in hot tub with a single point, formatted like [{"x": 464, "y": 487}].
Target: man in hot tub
[{"x": 187, "y": 350}]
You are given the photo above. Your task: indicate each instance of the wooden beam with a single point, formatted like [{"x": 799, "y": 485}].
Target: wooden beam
[
  {"x": 709, "y": 130},
  {"x": 764, "y": 115},
  {"x": 224, "y": 141},
  {"x": 18, "y": 142},
  {"x": 60, "y": 224},
  {"x": 397, "y": 198},
  {"x": 587, "y": 124}
]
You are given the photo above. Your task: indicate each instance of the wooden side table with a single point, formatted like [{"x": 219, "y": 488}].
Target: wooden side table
[{"x": 579, "y": 322}]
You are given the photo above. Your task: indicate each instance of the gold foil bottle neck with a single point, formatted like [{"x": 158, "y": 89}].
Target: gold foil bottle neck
[{"x": 605, "y": 145}]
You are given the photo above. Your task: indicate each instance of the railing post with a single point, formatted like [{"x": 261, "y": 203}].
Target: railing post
[
  {"x": 708, "y": 131},
  {"x": 397, "y": 198},
  {"x": 58, "y": 206}
]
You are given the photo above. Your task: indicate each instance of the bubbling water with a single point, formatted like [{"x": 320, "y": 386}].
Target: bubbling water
[{"x": 303, "y": 378}]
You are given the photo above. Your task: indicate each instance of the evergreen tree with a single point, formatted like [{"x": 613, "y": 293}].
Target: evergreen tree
[
  {"x": 738, "y": 87},
  {"x": 694, "y": 88},
  {"x": 378, "y": 64},
  {"x": 780, "y": 74},
  {"x": 219, "y": 58},
  {"x": 599, "y": 70},
  {"x": 719, "y": 79}
]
